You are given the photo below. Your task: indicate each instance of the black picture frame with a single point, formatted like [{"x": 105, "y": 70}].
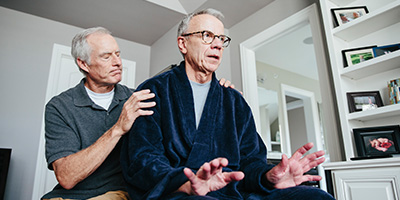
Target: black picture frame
[
  {"x": 356, "y": 100},
  {"x": 377, "y": 141},
  {"x": 357, "y": 55},
  {"x": 5, "y": 157},
  {"x": 382, "y": 50},
  {"x": 347, "y": 14}
]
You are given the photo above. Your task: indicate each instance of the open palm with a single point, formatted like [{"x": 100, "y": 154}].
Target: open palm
[{"x": 290, "y": 172}]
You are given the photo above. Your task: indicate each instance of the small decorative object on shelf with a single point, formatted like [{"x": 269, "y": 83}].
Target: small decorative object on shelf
[
  {"x": 278, "y": 136},
  {"x": 345, "y": 15},
  {"x": 358, "y": 100},
  {"x": 377, "y": 141},
  {"x": 357, "y": 55},
  {"x": 383, "y": 50},
  {"x": 394, "y": 91}
]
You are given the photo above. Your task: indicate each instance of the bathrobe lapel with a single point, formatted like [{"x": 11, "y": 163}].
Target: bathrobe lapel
[{"x": 199, "y": 140}]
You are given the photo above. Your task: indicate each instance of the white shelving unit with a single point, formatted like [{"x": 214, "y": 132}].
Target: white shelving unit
[{"x": 381, "y": 26}]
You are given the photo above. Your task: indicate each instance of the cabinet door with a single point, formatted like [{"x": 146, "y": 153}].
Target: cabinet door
[{"x": 377, "y": 183}]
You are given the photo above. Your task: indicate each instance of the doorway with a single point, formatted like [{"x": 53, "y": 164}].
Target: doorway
[{"x": 272, "y": 76}]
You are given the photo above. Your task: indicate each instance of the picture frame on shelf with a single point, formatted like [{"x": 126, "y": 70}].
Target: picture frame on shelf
[
  {"x": 347, "y": 14},
  {"x": 383, "y": 50},
  {"x": 357, "y": 55},
  {"x": 394, "y": 91},
  {"x": 368, "y": 100},
  {"x": 377, "y": 141}
]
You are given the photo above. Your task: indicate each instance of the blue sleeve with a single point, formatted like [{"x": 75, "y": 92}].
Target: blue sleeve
[{"x": 145, "y": 165}]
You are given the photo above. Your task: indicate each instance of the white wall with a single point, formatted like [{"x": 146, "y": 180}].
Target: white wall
[{"x": 26, "y": 43}]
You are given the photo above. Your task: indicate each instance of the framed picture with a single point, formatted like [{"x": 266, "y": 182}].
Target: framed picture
[
  {"x": 383, "y": 50},
  {"x": 357, "y": 100},
  {"x": 345, "y": 15},
  {"x": 357, "y": 55},
  {"x": 376, "y": 141}
]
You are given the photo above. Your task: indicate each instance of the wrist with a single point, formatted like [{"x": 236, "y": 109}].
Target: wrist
[
  {"x": 266, "y": 182},
  {"x": 186, "y": 188},
  {"x": 116, "y": 131}
]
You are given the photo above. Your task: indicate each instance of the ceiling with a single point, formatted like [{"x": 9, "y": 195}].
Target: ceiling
[{"x": 141, "y": 21}]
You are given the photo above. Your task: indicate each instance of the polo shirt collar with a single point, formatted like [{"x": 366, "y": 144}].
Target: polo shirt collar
[{"x": 81, "y": 98}]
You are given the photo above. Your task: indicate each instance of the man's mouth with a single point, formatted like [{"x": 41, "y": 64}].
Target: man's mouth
[
  {"x": 214, "y": 57},
  {"x": 116, "y": 71}
]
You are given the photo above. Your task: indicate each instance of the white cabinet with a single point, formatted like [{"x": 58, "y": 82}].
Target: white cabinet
[
  {"x": 381, "y": 26},
  {"x": 366, "y": 179}
]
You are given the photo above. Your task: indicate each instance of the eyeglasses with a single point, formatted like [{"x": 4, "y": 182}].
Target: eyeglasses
[{"x": 208, "y": 37}]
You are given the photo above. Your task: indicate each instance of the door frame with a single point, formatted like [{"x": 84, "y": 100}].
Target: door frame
[{"x": 248, "y": 64}]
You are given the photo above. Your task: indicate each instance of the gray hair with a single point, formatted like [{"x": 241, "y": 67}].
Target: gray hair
[
  {"x": 183, "y": 26},
  {"x": 80, "y": 47}
]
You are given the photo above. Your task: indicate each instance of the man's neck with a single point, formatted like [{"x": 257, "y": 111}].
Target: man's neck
[
  {"x": 98, "y": 88},
  {"x": 195, "y": 75}
]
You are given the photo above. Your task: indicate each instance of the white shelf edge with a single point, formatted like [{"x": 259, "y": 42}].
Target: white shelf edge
[
  {"x": 371, "y": 22},
  {"x": 373, "y": 66},
  {"x": 274, "y": 155},
  {"x": 367, "y": 163},
  {"x": 381, "y": 112},
  {"x": 275, "y": 143},
  {"x": 342, "y": 2}
]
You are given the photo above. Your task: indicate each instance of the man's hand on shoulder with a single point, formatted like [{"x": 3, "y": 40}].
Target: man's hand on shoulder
[
  {"x": 133, "y": 108},
  {"x": 227, "y": 83}
]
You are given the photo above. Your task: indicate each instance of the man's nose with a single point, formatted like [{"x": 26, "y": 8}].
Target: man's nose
[
  {"x": 217, "y": 43},
  {"x": 116, "y": 60}
]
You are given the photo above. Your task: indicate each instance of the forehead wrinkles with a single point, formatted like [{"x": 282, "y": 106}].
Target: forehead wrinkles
[
  {"x": 102, "y": 43},
  {"x": 206, "y": 22}
]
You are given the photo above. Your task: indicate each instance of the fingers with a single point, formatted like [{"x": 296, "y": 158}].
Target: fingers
[
  {"x": 189, "y": 174},
  {"x": 311, "y": 178},
  {"x": 312, "y": 160},
  {"x": 233, "y": 176},
  {"x": 135, "y": 102},
  {"x": 222, "y": 81},
  {"x": 302, "y": 150},
  {"x": 283, "y": 165},
  {"x": 211, "y": 168},
  {"x": 204, "y": 171},
  {"x": 141, "y": 95},
  {"x": 226, "y": 83}
]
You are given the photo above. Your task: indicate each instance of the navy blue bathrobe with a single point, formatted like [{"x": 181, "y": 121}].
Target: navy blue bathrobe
[{"x": 159, "y": 147}]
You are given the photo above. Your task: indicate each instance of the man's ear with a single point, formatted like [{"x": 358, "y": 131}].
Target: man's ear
[
  {"x": 182, "y": 44},
  {"x": 82, "y": 65}
]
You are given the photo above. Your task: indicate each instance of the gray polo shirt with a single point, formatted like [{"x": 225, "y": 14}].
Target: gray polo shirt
[{"x": 72, "y": 123}]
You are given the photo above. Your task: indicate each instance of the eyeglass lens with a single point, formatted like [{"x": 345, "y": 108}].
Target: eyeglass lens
[{"x": 208, "y": 37}]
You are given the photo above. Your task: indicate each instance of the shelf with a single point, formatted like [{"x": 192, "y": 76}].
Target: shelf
[
  {"x": 342, "y": 2},
  {"x": 274, "y": 155},
  {"x": 381, "y": 112},
  {"x": 367, "y": 163},
  {"x": 373, "y": 66},
  {"x": 275, "y": 143},
  {"x": 372, "y": 22}
]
